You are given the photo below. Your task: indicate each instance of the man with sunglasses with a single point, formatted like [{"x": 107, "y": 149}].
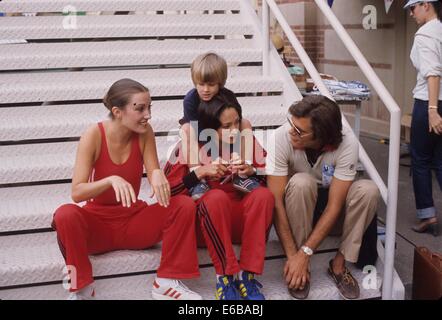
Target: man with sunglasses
[{"x": 310, "y": 153}]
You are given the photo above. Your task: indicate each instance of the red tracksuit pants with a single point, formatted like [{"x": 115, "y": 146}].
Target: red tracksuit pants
[
  {"x": 82, "y": 232},
  {"x": 225, "y": 218}
]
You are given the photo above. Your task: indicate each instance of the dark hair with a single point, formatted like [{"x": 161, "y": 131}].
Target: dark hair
[
  {"x": 437, "y": 5},
  {"x": 210, "y": 112},
  {"x": 120, "y": 92},
  {"x": 325, "y": 118}
]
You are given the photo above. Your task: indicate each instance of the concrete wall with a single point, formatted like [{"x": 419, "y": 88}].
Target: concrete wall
[{"x": 386, "y": 48}]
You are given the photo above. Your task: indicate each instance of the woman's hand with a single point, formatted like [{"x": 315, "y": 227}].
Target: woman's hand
[
  {"x": 435, "y": 121},
  {"x": 124, "y": 191},
  {"x": 243, "y": 169},
  {"x": 213, "y": 171},
  {"x": 160, "y": 187},
  {"x": 240, "y": 167}
]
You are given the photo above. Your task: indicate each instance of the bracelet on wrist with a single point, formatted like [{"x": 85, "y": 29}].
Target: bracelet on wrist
[{"x": 432, "y": 108}]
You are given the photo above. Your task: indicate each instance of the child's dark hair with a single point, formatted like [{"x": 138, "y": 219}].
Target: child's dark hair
[
  {"x": 210, "y": 112},
  {"x": 120, "y": 92}
]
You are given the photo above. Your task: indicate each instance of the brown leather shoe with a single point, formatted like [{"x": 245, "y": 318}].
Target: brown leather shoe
[
  {"x": 346, "y": 283},
  {"x": 300, "y": 294}
]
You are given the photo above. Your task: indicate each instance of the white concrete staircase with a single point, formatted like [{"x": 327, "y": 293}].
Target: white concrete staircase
[{"x": 50, "y": 91}]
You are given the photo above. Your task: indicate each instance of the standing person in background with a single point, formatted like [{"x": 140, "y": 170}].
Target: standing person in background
[{"x": 426, "y": 125}]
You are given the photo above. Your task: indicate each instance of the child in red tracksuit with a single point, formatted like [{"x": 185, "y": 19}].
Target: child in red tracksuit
[
  {"x": 225, "y": 215},
  {"x": 107, "y": 174}
]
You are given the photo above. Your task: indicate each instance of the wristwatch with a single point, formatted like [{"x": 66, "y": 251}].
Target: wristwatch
[{"x": 308, "y": 251}]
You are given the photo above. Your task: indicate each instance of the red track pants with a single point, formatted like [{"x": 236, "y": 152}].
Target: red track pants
[
  {"x": 82, "y": 232},
  {"x": 223, "y": 218}
]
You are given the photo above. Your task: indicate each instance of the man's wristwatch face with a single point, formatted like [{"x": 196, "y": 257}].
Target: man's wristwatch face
[{"x": 307, "y": 250}]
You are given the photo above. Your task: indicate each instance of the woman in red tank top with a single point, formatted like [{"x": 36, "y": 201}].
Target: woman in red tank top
[{"x": 107, "y": 175}]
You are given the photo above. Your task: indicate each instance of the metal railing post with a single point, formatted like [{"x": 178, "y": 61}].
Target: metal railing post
[
  {"x": 265, "y": 38},
  {"x": 391, "y": 215}
]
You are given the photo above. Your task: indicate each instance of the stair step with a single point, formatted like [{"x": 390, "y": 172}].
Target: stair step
[
  {"x": 52, "y": 161},
  {"x": 121, "y": 26},
  {"x": 122, "y": 53},
  {"x": 56, "y": 121},
  {"x": 36, "y": 258},
  {"x": 49, "y": 162},
  {"x": 90, "y": 85},
  {"x": 32, "y": 207},
  {"x": 139, "y": 287},
  {"x": 116, "y": 5}
]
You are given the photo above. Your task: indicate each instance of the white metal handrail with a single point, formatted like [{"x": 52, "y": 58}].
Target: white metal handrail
[{"x": 390, "y": 194}]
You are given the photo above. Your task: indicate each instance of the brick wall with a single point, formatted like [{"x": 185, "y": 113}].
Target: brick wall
[{"x": 311, "y": 38}]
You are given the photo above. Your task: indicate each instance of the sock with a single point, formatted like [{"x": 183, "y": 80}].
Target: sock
[
  {"x": 166, "y": 282},
  {"x": 241, "y": 274},
  {"x": 88, "y": 291}
]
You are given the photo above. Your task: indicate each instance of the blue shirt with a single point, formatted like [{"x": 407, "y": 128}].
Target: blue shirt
[{"x": 192, "y": 101}]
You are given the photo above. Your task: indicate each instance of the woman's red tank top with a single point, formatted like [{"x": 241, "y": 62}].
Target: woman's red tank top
[{"x": 131, "y": 170}]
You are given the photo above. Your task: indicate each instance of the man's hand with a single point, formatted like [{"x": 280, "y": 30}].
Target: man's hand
[{"x": 296, "y": 270}]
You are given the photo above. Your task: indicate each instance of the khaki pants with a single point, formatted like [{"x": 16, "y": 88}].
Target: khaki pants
[{"x": 301, "y": 195}]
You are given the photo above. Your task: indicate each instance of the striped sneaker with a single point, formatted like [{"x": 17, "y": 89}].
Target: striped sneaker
[
  {"x": 199, "y": 190},
  {"x": 175, "y": 290},
  {"x": 249, "y": 287},
  {"x": 225, "y": 289},
  {"x": 245, "y": 184}
]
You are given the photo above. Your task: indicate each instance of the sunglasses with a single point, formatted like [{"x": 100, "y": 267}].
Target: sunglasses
[{"x": 298, "y": 131}]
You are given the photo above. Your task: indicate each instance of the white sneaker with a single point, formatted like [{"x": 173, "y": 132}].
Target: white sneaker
[
  {"x": 173, "y": 290},
  {"x": 87, "y": 293}
]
